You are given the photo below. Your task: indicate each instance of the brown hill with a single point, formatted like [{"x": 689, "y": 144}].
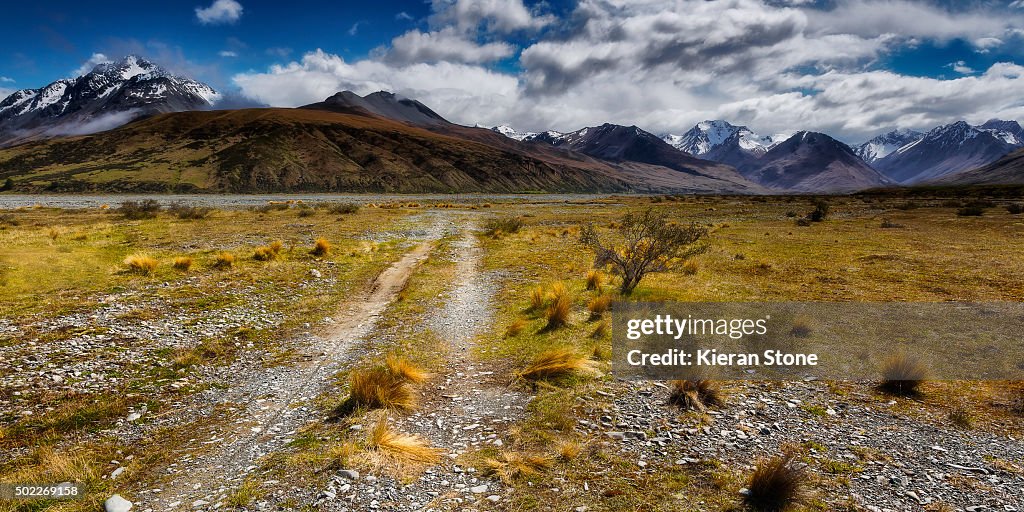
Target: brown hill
[{"x": 285, "y": 150}]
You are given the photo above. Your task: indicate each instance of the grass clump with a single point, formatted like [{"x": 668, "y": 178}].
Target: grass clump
[
  {"x": 384, "y": 387},
  {"x": 696, "y": 395},
  {"x": 401, "y": 447},
  {"x": 245, "y": 494},
  {"x": 537, "y": 298},
  {"x": 142, "y": 264},
  {"x": 599, "y": 305},
  {"x": 137, "y": 210},
  {"x": 224, "y": 261},
  {"x": 775, "y": 485},
  {"x": 595, "y": 280},
  {"x": 405, "y": 370},
  {"x": 321, "y": 248},
  {"x": 961, "y": 416},
  {"x": 342, "y": 208},
  {"x": 269, "y": 252},
  {"x": 503, "y": 225},
  {"x": 559, "y": 305},
  {"x": 970, "y": 211},
  {"x": 510, "y": 466},
  {"x": 555, "y": 364},
  {"x": 903, "y": 375},
  {"x": 515, "y": 328},
  {"x": 182, "y": 263}
]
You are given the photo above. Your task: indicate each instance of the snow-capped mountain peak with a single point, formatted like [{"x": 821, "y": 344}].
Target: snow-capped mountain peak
[
  {"x": 885, "y": 144},
  {"x": 706, "y": 136},
  {"x": 129, "y": 87},
  {"x": 511, "y": 133}
]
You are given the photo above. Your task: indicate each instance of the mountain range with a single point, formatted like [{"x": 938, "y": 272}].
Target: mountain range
[{"x": 75, "y": 134}]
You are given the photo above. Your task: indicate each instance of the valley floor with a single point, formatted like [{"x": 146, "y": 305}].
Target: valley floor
[{"x": 222, "y": 384}]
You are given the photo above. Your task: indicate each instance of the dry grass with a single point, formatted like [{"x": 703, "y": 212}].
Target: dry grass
[
  {"x": 961, "y": 416},
  {"x": 537, "y": 299},
  {"x": 400, "y": 447},
  {"x": 321, "y": 248},
  {"x": 556, "y": 364},
  {"x": 142, "y": 264},
  {"x": 511, "y": 466},
  {"x": 601, "y": 331},
  {"x": 378, "y": 389},
  {"x": 245, "y": 494},
  {"x": 269, "y": 252},
  {"x": 224, "y": 261},
  {"x": 182, "y": 263},
  {"x": 690, "y": 267},
  {"x": 405, "y": 370},
  {"x": 695, "y": 395},
  {"x": 559, "y": 307},
  {"x": 776, "y": 485},
  {"x": 599, "y": 305},
  {"x": 569, "y": 449},
  {"x": 903, "y": 375},
  {"x": 515, "y": 328},
  {"x": 595, "y": 280}
]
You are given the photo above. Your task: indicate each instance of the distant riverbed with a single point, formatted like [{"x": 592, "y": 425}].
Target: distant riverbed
[{"x": 69, "y": 201}]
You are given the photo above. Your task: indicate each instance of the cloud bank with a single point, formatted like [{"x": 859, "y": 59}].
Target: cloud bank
[{"x": 667, "y": 65}]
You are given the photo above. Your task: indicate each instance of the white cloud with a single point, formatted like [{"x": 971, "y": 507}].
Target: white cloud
[
  {"x": 227, "y": 53},
  {"x": 961, "y": 67},
  {"x": 4, "y": 79},
  {"x": 444, "y": 45},
  {"x": 403, "y": 16},
  {"x": 354, "y": 29},
  {"x": 220, "y": 11},
  {"x": 279, "y": 51},
  {"x": 93, "y": 61},
  {"x": 5, "y": 92},
  {"x": 501, "y": 16}
]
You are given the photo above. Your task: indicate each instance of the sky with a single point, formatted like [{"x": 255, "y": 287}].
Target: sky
[{"x": 852, "y": 69}]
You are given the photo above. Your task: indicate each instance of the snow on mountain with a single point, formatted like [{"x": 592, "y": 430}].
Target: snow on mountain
[
  {"x": 885, "y": 144},
  {"x": 949, "y": 149},
  {"x": 706, "y": 136},
  {"x": 511, "y": 133},
  {"x": 121, "y": 90}
]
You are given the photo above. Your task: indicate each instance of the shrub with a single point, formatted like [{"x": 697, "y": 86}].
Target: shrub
[
  {"x": 820, "y": 212},
  {"x": 650, "y": 243},
  {"x": 224, "y": 260},
  {"x": 803, "y": 222},
  {"x": 909, "y": 205},
  {"x": 186, "y": 212},
  {"x": 321, "y": 248},
  {"x": 182, "y": 263},
  {"x": 555, "y": 364},
  {"x": 510, "y": 466},
  {"x": 695, "y": 394},
  {"x": 1015, "y": 208},
  {"x": 404, "y": 447},
  {"x": 557, "y": 313},
  {"x": 141, "y": 264},
  {"x": 136, "y": 210},
  {"x": 595, "y": 280},
  {"x": 903, "y": 375},
  {"x": 598, "y": 306},
  {"x": 507, "y": 225},
  {"x": 9, "y": 219},
  {"x": 8, "y": 185},
  {"x": 342, "y": 208},
  {"x": 961, "y": 416},
  {"x": 775, "y": 485},
  {"x": 971, "y": 211},
  {"x": 305, "y": 211},
  {"x": 888, "y": 224}
]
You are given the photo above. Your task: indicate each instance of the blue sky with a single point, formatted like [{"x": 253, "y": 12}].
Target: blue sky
[{"x": 851, "y": 68}]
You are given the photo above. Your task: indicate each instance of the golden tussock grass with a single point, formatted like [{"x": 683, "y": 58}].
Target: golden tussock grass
[
  {"x": 775, "y": 485},
  {"x": 569, "y": 449},
  {"x": 50, "y": 465},
  {"x": 599, "y": 305},
  {"x": 400, "y": 446},
  {"x": 224, "y": 260},
  {"x": 602, "y": 352},
  {"x": 537, "y": 299},
  {"x": 510, "y": 466},
  {"x": 380, "y": 389},
  {"x": 321, "y": 248},
  {"x": 555, "y": 364},
  {"x": 141, "y": 264},
  {"x": 515, "y": 328},
  {"x": 246, "y": 493},
  {"x": 601, "y": 331},
  {"x": 559, "y": 304},
  {"x": 182, "y": 263},
  {"x": 695, "y": 394},
  {"x": 690, "y": 267},
  {"x": 402, "y": 368},
  {"x": 903, "y": 374},
  {"x": 268, "y": 252},
  {"x": 595, "y": 280}
]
